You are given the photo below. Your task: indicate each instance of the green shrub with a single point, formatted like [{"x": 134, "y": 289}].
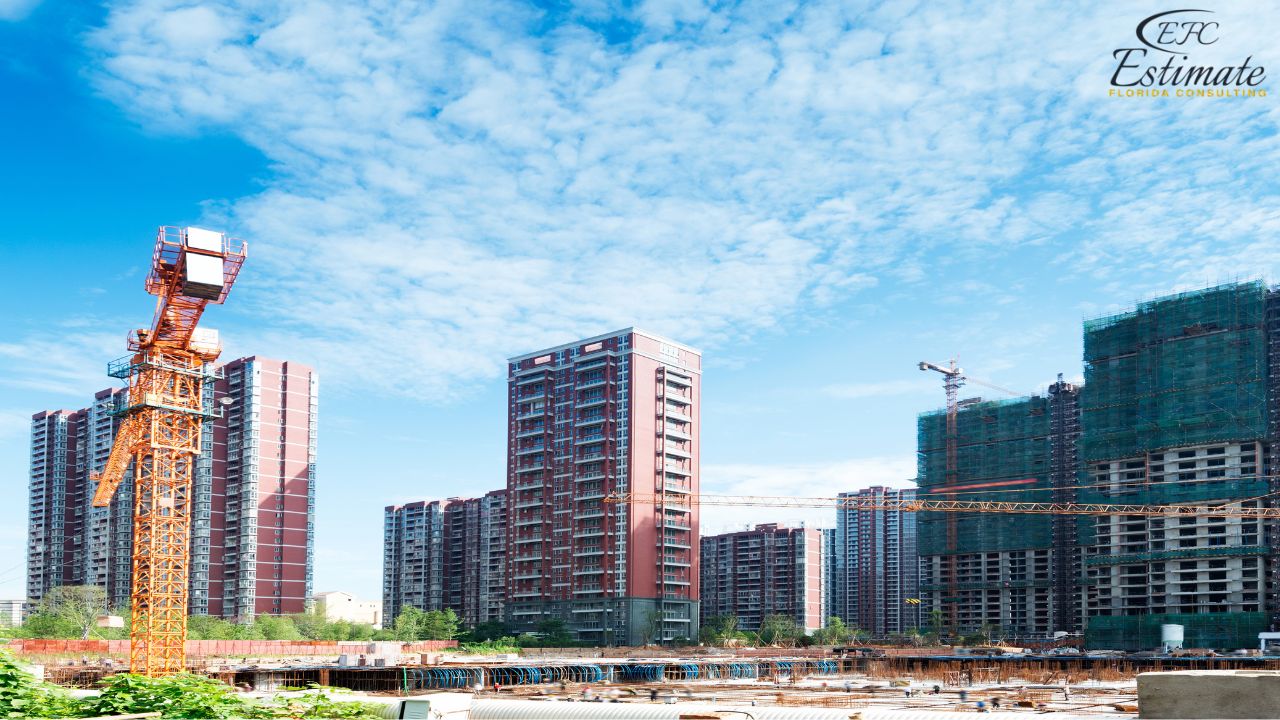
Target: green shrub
[
  {"x": 22, "y": 696},
  {"x": 174, "y": 696}
]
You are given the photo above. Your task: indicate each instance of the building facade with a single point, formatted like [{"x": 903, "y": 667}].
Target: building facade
[
  {"x": 875, "y": 566},
  {"x": 412, "y": 557},
  {"x": 261, "y": 540},
  {"x": 1179, "y": 407},
  {"x": 70, "y": 542},
  {"x": 610, "y": 416},
  {"x": 446, "y": 554},
  {"x": 474, "y": 545},
  {"x": 12, "y": 612},
  {"x": 768, "y": 570}
]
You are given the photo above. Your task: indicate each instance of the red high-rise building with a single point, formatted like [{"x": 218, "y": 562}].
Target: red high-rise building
[
  {"x": 613, "y": 415},
  {"x": 262, "y": 504},
  {"x": 771, "y": 570}
]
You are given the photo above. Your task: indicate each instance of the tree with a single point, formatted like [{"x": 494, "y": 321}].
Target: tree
[
  {"x": 275, "y": 627},
  {"x": 653, "y": 627},
  {"x": 68, "y": 611},
  {"x": 439, "y": 625},
  {"x": 835, "y": 633},
  {"x": 554, "y": 632},
  {"x": 935, "y": 622},
  {"x": 779, "y": 630},
  {"x": 719, "y": 630},
  {"x": 408, "y": 623},
  {"x": 490, "y": 630}
]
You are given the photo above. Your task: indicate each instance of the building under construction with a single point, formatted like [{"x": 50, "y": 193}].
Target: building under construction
[
  {"x": 1181, "y": 404},
  {"x": 1175, "y": 410},
  {"x": 990, "y": 570}
]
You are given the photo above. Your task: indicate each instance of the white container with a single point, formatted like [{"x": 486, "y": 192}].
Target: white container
[{"x": 1171, "y": 636}]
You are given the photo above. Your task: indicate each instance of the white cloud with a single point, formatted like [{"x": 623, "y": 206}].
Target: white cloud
[
  {"x": 15, "y": 10},
  {"x": 812, "y": 480},
  {"x": 888, "y": 388},
  {"x": 69, "y": 363},
  {"x": 458, "y": 182}
]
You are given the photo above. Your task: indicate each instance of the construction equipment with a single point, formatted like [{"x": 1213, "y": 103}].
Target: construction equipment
[
  {"x": 952, "y": 379},
  {"x": 1225, "y": 510},
  {"x": 159, "y": 433}
]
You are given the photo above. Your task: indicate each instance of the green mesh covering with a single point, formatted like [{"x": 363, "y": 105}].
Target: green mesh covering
[
  {"x": 996, "y": 442},
  {"x": 1183, "y": 370},
  {"x": 1219, "y": 631}
]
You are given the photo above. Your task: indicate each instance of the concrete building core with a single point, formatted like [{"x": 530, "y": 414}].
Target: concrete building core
[{"x": 611, "y": 415}]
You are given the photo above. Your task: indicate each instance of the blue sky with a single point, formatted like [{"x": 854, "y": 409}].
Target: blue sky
[{"x": 818, "y": 196}]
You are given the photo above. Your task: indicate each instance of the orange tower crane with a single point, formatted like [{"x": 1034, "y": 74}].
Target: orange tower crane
[{"x": 159, "y": 433}]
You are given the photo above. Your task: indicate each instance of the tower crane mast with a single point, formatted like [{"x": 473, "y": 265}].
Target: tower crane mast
[
  {"x": 952, "y": 379},
  {"x": 159, "y": 433}
]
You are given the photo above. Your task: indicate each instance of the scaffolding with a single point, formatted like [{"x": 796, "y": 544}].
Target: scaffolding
[
  {"x": 1201, "y": 630},
  {"x": 1002, "y": 445},
  {"x": 1182, "y": 370},
  {"x": 1174, "y": 411}
]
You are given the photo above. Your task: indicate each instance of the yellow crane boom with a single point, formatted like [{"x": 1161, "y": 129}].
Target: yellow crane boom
[{"x": 1223, "y": 510}]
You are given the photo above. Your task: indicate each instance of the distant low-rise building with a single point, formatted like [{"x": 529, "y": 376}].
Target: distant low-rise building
[
  {"x": 11, "y": 612},
  {"x": 337, "y": 605}
]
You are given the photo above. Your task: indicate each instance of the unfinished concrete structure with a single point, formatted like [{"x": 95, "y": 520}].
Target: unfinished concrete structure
[
  {"x": 996, "y": 571},
  {"x": 768, "y": 570},
  {"x": 1175, "y": 410},
  {"x": 609, "y": 415},
  {"x": 875, "y": 569}
]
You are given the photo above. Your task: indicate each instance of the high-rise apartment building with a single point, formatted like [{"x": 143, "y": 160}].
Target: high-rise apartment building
[
  {"x": 769, "y": 570},
  {"x": 993, "y": 570},
  {"x": 610, "y": 416},
  {"x": 875, "y": 568},
  {"x": 446, "y": 554},
  {"x": 829, "y": 593},
  {"x": 262, "y": 449},
  {"x": 412, "y": 557},
  {"x": 475, "y": 547},
  {"x": 261, "y": 535},
  {"x": 1179, "y": 406}
]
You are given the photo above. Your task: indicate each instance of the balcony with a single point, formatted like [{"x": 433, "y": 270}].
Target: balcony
[
  {"x": 532, "y": 467},
  {"x": 597, "y": 437},
  {"x": 675, "y": 469},
  {"x": 589, "y": 532},
  {"x": 594, "y": 382},
  {"x": 676, "y": 488},
  {"x": 592, "y": 420},
  {"x": 589, "y": 571},
  {"x": 530, "y": 432},
  {"x": 536, "y": 502},
  {"x": 678, "y": 380},
  {"x": 677, "y": 415},
  {"x": 529, "y": 414},
  {"x": 589, "y": 457},
  {"x": 676, "y": 451},
  {"x": 522, "y": 522},
  {"x": 589, "y": 476},
  {"x": 528, "y": 540},
  {"x": 540, "y": 395},
  {"x": 540, "y": 447},
  {"x": 531, "y": 485}
]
